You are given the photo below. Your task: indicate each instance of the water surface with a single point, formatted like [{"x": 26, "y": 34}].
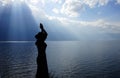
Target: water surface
[{"x": 66, "y": 59}]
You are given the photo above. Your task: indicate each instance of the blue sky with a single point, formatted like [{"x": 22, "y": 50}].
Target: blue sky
[{"x": 63, "y": 19}]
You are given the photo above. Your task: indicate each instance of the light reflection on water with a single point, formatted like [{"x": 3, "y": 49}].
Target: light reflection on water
[{"x": 83, "y": 59}]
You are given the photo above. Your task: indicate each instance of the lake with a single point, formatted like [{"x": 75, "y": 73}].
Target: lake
[{"x": 66, "y": 59}]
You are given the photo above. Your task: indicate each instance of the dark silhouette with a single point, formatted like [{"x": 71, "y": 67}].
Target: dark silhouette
[{"x": 42, "y": 68}]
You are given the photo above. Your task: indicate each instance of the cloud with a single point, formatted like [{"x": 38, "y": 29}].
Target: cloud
[
  {"x": 5, "y": 2},
  {"x": 93, "y": 3},
  {"x": 118, "y": 1},
  {"x": 57, "y": 1},
  {"x": 36, "y": 2},
  {"x": 38, "y": 13},
  {"x": 55, "y": 10},
  {"x": 72, "y": 8},
  {"x": 8, "y": 2},
  {"x": 104, "y": 25},
  {"x": 32, "y": 2}
]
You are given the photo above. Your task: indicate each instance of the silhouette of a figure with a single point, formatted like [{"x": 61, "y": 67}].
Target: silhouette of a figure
[{"x": 42, "y": 68}]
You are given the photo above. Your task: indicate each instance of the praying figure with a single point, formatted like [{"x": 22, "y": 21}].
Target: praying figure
[{"x": 42, "y": 68}]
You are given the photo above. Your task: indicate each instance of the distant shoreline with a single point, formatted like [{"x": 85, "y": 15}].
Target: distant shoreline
[
  {"x": 58, "y": 41},
  {"x": 16, "y": 41}
]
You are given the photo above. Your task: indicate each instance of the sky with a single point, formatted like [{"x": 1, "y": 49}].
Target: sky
[{"x": 62, "y": 19}]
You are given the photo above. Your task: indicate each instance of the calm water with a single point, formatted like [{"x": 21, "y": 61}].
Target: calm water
[{"x": 66, "y": 59}]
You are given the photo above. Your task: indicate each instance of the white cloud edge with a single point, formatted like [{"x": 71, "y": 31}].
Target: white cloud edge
[{"x": 112, "y": 27}]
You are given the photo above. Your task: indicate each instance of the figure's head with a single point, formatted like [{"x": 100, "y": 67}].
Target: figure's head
[{"x": 41, "y": 25}]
